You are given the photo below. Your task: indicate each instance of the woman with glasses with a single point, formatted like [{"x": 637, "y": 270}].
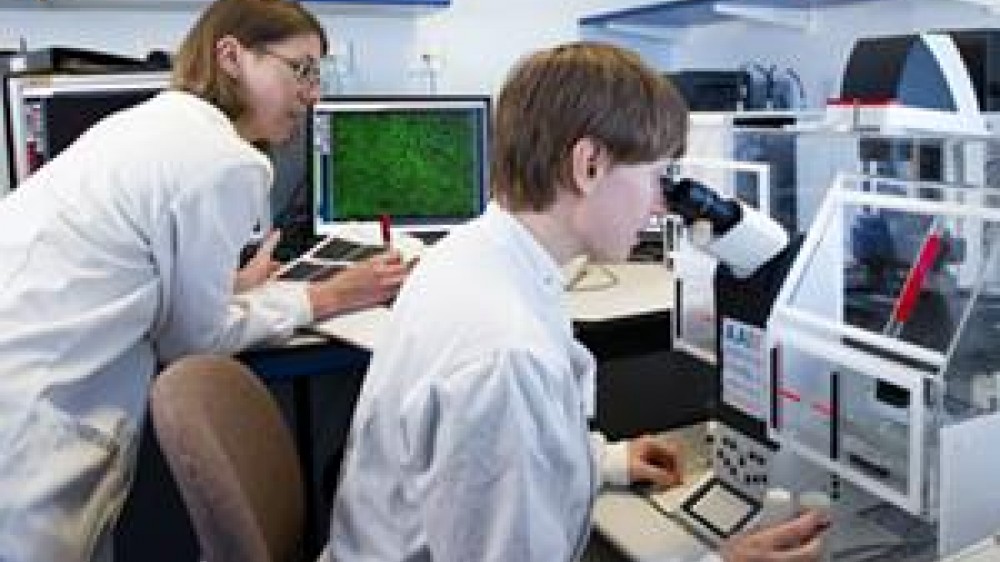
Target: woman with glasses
[{"x": 119, "y": 255}]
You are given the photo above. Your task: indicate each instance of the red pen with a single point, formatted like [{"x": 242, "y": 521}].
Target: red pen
[{"x": 386, "y": 225}]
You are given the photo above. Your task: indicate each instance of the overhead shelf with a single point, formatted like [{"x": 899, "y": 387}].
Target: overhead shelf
[
  {"x": 991, "y": 6},
  {"x": 795, "y": 14},
  {"x": 358, "y": 7}
]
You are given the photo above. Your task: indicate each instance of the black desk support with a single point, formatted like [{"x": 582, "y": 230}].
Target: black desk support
[{"x": 644, "y": 386}]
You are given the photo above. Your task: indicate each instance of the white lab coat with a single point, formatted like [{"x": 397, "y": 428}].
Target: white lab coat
[
  {"x": 116, "y": 256},
  {"x": 470, "y": 437}
]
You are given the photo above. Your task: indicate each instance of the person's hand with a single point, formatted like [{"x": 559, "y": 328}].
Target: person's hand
[
  {"x": 798, "y": 540},
  {"x": 366, "y": 283},
  {"x": 655, "y": 461},
  {"x": 261, "y": 267}
]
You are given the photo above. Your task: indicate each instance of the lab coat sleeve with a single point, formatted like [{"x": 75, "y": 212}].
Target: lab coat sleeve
[
  {"x": 209, "y": 222},
  {"x": 610, "y": 459},
  {"x": 504, "y": 480}
]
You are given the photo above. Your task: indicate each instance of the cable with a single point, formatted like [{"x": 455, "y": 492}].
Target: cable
[
  {"x": 584, "y": 282},
  {"x": 797, "y": 80}
]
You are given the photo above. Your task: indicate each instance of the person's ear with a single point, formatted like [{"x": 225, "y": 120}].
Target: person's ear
[
  {"x": 588, "y": 164},
  {"x": 228, "y": 51}
]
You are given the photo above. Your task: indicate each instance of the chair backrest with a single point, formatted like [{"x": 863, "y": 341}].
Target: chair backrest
[{"x": 233, "y": 459}]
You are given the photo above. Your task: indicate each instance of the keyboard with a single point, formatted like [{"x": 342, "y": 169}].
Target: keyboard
[
  {"x": 339, "y": 249},
  {"x": 326, "y": 258}
]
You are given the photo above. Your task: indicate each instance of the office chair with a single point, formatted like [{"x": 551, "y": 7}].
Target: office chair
[{"x": 233, "y": 459}]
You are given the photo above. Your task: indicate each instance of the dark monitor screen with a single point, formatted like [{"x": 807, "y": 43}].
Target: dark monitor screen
[
  {"x": 421, "y": 160},
  {"x": 43, "y": 114},
  {"x": 68, "y": 116}
]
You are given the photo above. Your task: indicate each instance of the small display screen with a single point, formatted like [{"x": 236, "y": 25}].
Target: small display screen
[{"x": 721, "y": 508}]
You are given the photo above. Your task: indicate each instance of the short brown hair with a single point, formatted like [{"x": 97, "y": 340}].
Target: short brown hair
[
  {"x": 557, "y": 96},
  {"x": 254, "y": 23}
]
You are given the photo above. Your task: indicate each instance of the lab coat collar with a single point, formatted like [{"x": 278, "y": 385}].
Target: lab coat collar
[
  {"x": 186, "y": 101},
  {"x": 536, "y": 260},
  {"x": 205, "y": 108},
  {"x": 501, "y": 223}
]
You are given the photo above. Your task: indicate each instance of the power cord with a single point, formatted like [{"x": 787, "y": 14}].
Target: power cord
[{"x": 593, "y": 277}]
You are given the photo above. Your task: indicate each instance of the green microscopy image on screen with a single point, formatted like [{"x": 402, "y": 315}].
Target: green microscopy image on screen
[{"x": 405, "y": 164}]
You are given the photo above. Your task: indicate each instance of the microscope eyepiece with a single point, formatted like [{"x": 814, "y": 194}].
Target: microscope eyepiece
[
  {"x": 741, "y": 237},
  {"x": 694, "y": 201}
]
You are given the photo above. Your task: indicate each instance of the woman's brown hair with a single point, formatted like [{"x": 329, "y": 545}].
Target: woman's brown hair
[{"x": 254, "y": 23}]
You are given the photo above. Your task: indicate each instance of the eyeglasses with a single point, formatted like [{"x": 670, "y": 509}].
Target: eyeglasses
[{"x": 306, "y": 70}]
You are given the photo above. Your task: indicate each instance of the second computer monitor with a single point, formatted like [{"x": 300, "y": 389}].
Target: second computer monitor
[{"x": 420, "y": 159}]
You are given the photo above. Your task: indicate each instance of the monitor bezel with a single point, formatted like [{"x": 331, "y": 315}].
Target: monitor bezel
[
  {"x": 354, "y": 103},
  {"x": 21, "y": 88}
]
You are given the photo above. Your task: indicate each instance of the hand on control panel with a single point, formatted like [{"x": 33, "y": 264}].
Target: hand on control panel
[
  {"x": 259, "y": 268},
  {"x": 797, "y": 540},
  {"x": 656, "y": 461}
]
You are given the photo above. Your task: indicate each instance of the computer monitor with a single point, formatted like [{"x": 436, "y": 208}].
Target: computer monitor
[
  {"x": 44, "y": 113},
  {"x": 422, "y": 160}
]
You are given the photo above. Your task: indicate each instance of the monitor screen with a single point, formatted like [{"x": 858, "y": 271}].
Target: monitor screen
[
  {"x": 420, "y": 160},
  {"x": 45, "y": 113}
]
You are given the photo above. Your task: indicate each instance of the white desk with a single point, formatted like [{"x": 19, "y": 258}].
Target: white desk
[
  {"x": 641, "y": 531},
  {"x": 639, "y": 288},
  {"x": 648, "y": 533}
]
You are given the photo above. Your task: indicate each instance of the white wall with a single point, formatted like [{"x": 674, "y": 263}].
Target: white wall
[
  {"x": 820, "y": 53},
  {"x": 377, "y": 41},
  {"x": 473, "y": 41},
  {"x": 479, "y": 40}
]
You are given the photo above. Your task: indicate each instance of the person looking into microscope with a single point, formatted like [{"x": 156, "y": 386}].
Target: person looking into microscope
[{"x": 470, "y": 438}]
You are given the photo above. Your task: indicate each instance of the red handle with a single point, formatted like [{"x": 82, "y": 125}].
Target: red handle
[{"x": 915, "y": 280}]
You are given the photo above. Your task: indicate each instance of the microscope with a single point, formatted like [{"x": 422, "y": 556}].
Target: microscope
[
  {"x": 739, "y": 236},
  {"x": 829, "y": 400},
  {"x": 754, "y": 256},
  {"x": 856, "y": 363}
]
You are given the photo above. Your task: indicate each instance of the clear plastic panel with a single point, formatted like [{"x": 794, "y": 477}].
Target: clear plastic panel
[
  {"x": 901, "y": 272},
  {"x": 972, "y": 374},
  {"x": 886, "y": 329},
  {"x": 803, "y": 159},
  {"x": 887, "y": 266},
  {"x": 857, "y": 423}
]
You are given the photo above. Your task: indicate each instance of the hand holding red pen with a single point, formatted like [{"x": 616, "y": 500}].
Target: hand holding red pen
[
  {"x": 385, "y": 225},
  {"x": 261, "y": 267},
  {"x": 367, "y": 283}
]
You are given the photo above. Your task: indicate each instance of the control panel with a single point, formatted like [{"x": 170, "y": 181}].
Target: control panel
[{"x": 743, "y": 463}]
